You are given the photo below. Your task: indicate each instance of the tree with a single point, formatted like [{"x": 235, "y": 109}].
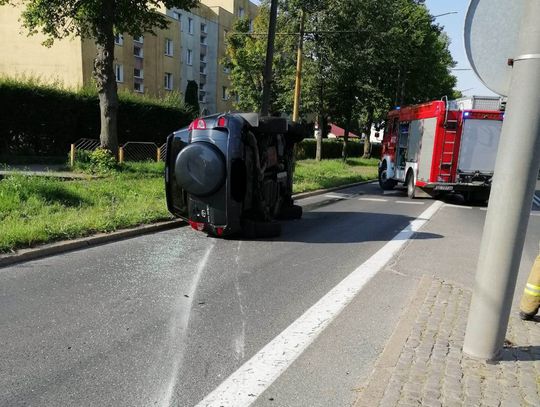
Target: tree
[
  {"x": 192, "y": 97},
  {"x": 98, "y": 20}
]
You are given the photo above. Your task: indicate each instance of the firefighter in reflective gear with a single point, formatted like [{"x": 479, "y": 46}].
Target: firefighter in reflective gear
[{"x": 530, "y": 301}]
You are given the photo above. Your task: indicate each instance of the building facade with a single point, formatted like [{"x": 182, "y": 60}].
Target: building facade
[{"x": 191, "y": 48}]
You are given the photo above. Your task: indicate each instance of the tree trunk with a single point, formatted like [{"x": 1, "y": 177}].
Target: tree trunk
[
  {"x": 318, "y": 138},
  {"x": 367, "y": 130},
  {"x": 106, "y": 79},
  {"x": 344, "y": 152}
]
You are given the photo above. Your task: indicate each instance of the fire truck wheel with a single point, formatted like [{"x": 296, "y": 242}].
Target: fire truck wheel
[
  {"x": 385, "y": 183},
  {"x": 411, "y": 188}
]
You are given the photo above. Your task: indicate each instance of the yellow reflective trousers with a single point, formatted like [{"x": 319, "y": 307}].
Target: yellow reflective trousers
[{"x": 530, "y": 301}]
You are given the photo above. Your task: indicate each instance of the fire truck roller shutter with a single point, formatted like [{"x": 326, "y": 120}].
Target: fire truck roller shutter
[
  {"x": 416, "y": 131},
  {"x": 427, "y": 144}
]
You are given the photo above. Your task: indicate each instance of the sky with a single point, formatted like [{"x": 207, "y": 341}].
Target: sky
[{"x": 468, "y": 83}]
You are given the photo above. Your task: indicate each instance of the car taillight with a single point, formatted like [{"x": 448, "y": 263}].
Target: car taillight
[
  {"x": 197, "y": 124},
  {"x": 219, "y": 231},
  {"x": 197, "y": 225},
  {"x": 221, "y": 122}
]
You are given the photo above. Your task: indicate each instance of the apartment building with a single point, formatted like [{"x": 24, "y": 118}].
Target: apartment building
[{"x": 190, "y": 48}]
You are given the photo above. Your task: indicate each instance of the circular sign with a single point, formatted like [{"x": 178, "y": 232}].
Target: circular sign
[{"x": 491, "y": 39}]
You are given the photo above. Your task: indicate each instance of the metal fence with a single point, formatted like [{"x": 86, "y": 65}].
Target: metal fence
[{"x": 130, "y": 151}]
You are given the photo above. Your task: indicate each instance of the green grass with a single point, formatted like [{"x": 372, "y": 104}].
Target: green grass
[
  {"x": 36, "y": 210},
  {"x": 311, "y": 175}
]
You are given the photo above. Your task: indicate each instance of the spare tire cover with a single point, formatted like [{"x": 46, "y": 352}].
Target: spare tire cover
[{"x": 200, "y": 169}]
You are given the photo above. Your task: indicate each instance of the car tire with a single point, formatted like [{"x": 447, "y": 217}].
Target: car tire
[{"x": 290, "y": 212}]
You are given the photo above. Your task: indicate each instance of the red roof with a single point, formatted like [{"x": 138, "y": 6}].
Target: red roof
[{"x": 339, "y": 132}]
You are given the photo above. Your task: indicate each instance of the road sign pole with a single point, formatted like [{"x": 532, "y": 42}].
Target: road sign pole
[{"x": 516, "y": 171}]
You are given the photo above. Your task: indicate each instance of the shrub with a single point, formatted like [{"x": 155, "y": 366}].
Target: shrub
[
  {"x": 102, "y": 161},
  {"x": 332, "y": 149},
  {"x": 42, "y": 120}
]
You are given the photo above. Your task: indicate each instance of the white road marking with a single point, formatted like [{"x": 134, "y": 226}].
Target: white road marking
[
  {"x": 411, "y": 202},
  {"x": 392, "y": 192},
  {"x": 373, "y": 199},
  {"x": 243, "y": 387},
  {"x": 334, "y": 196},
  {"x": 483, "y": 209},
  {"x": 535, "y": 214},
  {"x": 458, "y": 206},
  {"x": 374, "y": 183}
]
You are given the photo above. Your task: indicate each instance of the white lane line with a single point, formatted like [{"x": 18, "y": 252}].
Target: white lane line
[
  {"x": 411, "y": 202},
  {"x": 242, "y": 388},
  {"x": 373, "y": 199},
  {"x": 483, "y": 209},
  {"x": 458, "y": 206},
  {"x": 392, "y": 192}
]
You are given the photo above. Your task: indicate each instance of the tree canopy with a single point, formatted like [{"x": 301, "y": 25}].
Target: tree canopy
[{"x": 361, "y": 58}]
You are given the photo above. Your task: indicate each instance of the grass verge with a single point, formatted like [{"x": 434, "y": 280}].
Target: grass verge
[
  {"x": 37, "y": 210},
  {"x": 311, "y": 175}
]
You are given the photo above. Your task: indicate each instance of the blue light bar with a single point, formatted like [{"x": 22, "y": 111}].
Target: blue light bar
[{"x": 466, "y": 114}]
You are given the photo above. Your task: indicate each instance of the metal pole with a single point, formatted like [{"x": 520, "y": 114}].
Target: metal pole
[
  {"x": 299, "y": 57},
  {"x": 267, "y": 85},
  {"x": 516, "y": 170}
]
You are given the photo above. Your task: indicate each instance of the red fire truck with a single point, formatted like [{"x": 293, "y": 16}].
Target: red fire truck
[{"x": 442, "y": 147}]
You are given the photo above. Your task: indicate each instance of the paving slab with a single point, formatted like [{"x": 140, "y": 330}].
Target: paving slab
[{"x": 423, "y": 363}]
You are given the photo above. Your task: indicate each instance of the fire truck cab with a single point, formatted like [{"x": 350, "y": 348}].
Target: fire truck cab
[{"x": 442, "y": 147}]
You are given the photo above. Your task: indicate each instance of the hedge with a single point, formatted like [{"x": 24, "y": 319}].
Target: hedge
[
  {"x": 332, "y": 149},
  {"x": 40, "y": 120}
]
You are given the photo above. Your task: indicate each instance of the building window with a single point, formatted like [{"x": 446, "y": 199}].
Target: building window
[
  {"x": 139, "y": 39},
  {"x": 137, "y": 51},
  {"x": 189, "y": 57},
  {"x": 202, "y": 96},
  {"x": 138, "y": 87},
  {"x": 176, "y": 15},
  {"x": 203, "y": 28},
  {"x": 169, "y": 47},
  {"x": 250, "y": 25},
  {"x": 118, "y": 39},
  {"x": 119, "y": 72},
  {"x": 138, "y": 73},
  {"x": 190, "y": 25},
  {"x": 241, "y": 12},
  {"x": 224, "y": 93},
  {"x": 168, "y": 81},
  {"x": 203, "y": 39}
]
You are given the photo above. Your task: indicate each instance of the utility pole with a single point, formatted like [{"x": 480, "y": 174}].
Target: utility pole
[
  {"x": 267, "y": 84},
  {"x": 516, "y": 170},
  {"x": 299, "y": 57}
]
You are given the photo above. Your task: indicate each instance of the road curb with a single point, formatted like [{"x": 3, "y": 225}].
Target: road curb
[
  {"x": 387, "y": 361},
  {"x": 102, "y": 238},
  {"x": 309, "y": 194},
  {"x": 85, "y": 242}
]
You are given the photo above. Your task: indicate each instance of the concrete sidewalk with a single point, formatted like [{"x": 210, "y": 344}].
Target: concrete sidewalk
[{"x": 423, "y": 363}]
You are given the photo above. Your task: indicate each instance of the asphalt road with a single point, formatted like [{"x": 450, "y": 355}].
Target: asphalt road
[{"x": 164, "y": 319}]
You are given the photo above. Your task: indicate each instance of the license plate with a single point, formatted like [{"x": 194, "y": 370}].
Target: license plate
[{"x": 444, "y": 188}]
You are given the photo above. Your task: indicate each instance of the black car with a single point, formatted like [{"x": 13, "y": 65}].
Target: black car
[{"x": 230, "y": 174}]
